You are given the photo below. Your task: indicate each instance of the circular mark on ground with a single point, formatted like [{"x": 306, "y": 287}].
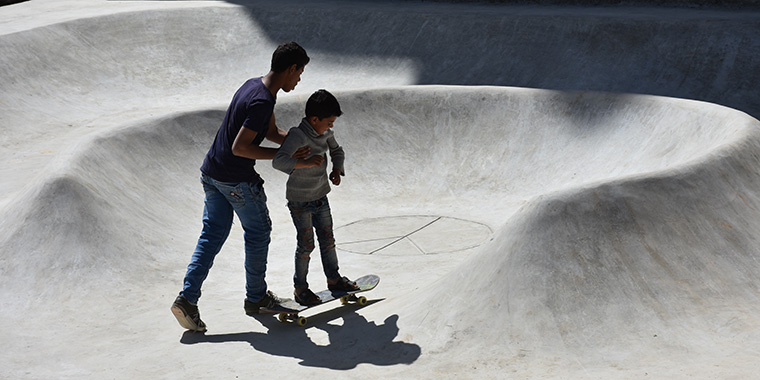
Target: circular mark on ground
[{"x": 411, "y": 235}]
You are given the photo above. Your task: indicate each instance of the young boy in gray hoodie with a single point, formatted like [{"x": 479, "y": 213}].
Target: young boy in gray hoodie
[{"x": 307, "y": 190}]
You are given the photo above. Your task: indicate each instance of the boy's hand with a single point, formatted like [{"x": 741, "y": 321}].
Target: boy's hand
[
  {"x": 314, "y": 161},
  {"x": 302, "y": 152},
  {"x": 335, "y": 177}
]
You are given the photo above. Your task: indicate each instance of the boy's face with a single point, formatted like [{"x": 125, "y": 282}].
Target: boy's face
[
  {"x": 322, "y": 125},
  {"x": 292, "y": 78}
]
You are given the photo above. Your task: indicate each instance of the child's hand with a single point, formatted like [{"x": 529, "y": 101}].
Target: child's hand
[
  {"x": 315, "y": 161},
  {"x": 302, "y": 152},
  {"x": 335, "y": 177}
]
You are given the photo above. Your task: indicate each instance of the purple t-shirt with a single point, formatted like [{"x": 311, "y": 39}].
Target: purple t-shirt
[{"x": 251, "y": 107}]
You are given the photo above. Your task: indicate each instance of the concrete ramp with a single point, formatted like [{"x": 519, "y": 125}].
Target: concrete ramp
[
  {"x": 629, "y": 240},
  {"x": 635, "y": 250},
  {"x": 518, "y": 233}
]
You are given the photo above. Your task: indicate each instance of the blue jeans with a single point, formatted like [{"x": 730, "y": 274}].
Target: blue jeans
[
  {"x": 308, "y": 217},
  {"x": 248, "y": 201}
]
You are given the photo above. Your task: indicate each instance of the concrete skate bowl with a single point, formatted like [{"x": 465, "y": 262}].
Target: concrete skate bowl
[{"x": 624, "y": 225}]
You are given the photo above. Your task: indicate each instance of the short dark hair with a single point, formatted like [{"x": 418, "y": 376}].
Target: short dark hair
[
  {"x": 322, "y": 104},
  {"x": 288, "y": 54}
]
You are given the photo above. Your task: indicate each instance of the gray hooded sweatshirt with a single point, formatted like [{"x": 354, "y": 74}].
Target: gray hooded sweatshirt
[{"x": 308, "y": 184}]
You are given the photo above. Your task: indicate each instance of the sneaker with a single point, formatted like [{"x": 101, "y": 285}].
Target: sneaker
[
  {"x": 343, "y": 285},
  {"x": 187, "y": 315},
  {"x": 270, "y": 301},
  {"x": 307, "y": 298}
]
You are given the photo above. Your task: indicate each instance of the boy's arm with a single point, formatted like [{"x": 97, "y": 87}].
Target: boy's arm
[
  {"x": 292, "y": 153},
  {"x": 283, "y": 159},
  {"x": 274, "y": 133},
  {"x": 243, "y": 146},
  {"x": 337, "y": 156}
]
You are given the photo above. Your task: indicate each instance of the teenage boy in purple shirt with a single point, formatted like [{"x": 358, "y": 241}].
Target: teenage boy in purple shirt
[{"x": 232, "y": 186}]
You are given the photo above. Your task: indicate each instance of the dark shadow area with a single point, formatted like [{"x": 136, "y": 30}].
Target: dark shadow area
[
  {"x": 357, "y": 341},
  {"x": 608, "y": 3},
  {"x": 707, "y": 55},
  {"x": 713, "y": 4},
  {"x": 9, "y": 2}
]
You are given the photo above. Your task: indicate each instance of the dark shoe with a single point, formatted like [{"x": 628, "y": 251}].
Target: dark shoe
[
  {"x": 270, "y": 301},
  {"x": 307, "y": 298},
  {"x": 343, "y": 285},
  {"x": 187, "y": 315}
]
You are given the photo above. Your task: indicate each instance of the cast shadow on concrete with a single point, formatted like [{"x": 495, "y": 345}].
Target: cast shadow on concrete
[
  {"x": 357, "y": 341},
  {"x": 9, "y": 2},
  {"x": 682, "y": 53}
]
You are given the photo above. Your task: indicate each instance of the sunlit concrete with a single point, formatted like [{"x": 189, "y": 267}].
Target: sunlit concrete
[{"x": 595, "y": 228}]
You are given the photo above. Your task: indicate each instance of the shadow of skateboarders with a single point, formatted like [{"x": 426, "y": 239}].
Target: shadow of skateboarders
[{"x": 356, "y": 342}]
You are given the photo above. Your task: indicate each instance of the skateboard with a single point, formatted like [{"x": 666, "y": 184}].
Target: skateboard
[{"x": 365, "y": 283}]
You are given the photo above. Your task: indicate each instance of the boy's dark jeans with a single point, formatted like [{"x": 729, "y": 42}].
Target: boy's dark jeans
[{"x": 308, "y": 217}]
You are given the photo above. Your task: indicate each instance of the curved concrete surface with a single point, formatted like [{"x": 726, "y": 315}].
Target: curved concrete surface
[{"x": 623, "y": 225}]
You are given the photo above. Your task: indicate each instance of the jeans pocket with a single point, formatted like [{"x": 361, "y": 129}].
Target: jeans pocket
[
  {"x": 257, "y": 191},
  {"x": 233, "y": 192}
]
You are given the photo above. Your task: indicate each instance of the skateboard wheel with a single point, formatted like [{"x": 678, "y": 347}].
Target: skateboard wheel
[
  {"x": 301, "y": 321},
  {"x": 362, "y": 301},
  {"x": 344, "y": 300},
  {"x": 283, "y": 317}
]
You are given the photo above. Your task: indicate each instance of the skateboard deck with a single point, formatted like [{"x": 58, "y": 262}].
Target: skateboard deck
[{"x": 292, "y": 307}]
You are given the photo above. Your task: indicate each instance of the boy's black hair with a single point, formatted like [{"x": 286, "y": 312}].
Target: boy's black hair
[
  {"x": 322, "y": 104},
  {"x": 288, "y": 54}
]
